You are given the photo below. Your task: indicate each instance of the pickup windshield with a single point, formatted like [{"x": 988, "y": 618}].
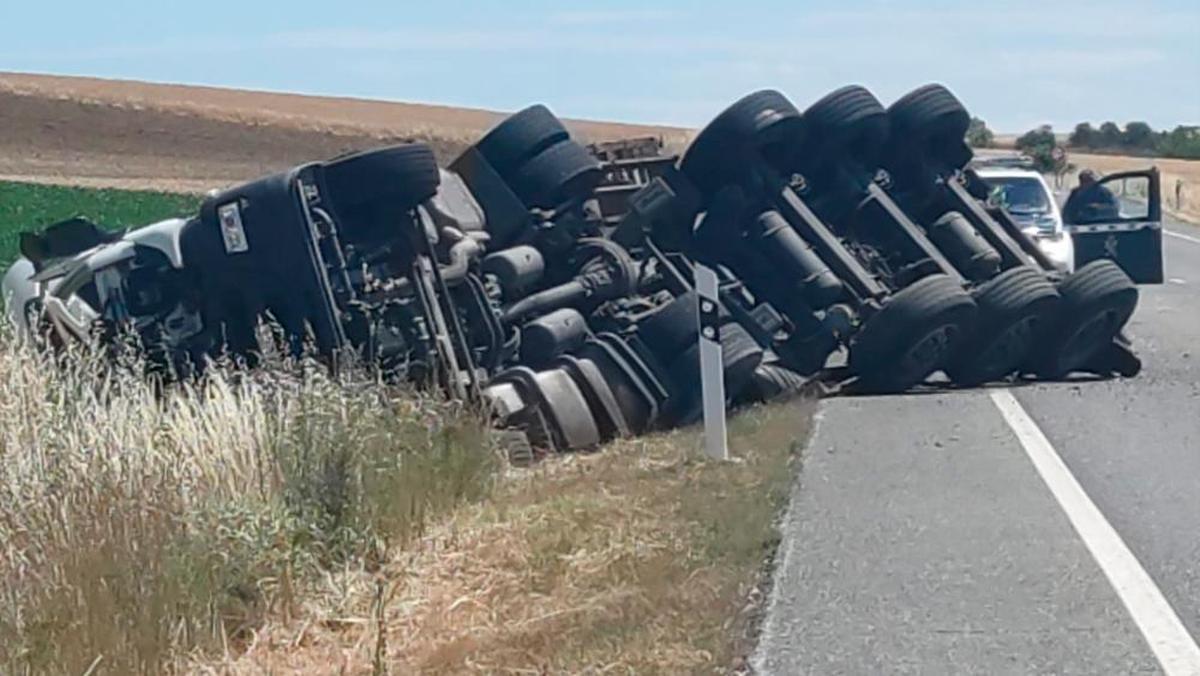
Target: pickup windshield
[{"x": 1019, "y": 194}]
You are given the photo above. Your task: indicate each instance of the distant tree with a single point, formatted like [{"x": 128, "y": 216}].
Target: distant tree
[
  {"x": 978, "y": 134},
  {"x": 1039, "y": 144},
  {"x": 1182, "y": 142},
  {"x": 1138, "y": 135},
  {"x": 1110, "y": 135},
  {"x": 1084, "y": 136},
  {"x": 1042, "y": 136}
]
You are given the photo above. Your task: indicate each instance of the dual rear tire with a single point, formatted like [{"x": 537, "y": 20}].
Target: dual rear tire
[
  {"x": 1015, "y": 307},
  {"x": 534, "y": 154},
  {"x": 1028, "y": 325},
  {"x": 765, "y": 123},
  {"x": 1098, "y": 301},
  {"x": 932, "y": 123},
  {"x": 915, "y": 334}
]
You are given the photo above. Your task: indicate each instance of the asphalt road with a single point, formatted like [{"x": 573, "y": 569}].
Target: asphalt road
[{"x": 929, "y": 542}]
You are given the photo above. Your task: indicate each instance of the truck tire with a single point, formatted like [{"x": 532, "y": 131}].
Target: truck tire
[
  {"x": 934, "y": 122},
  {"x": 1014, "y": 309},
  {"x": 848, "y": 122},
  {"x": 1097, "y": 302},
  {"x": 673, "y": 328},
  {"x": 520, "y": 137},
  {"x": 557, "y": 174},
  {"x": 764, "y": 121},
  {"x": 915, "y": 334},
  {"x": 740, "y": 357},
  {"x": 403, "y": 176},
  {"x": 772, "y": 382}
]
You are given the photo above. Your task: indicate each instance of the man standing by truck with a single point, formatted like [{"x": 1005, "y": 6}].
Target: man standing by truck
[{"x": 1090, "y": 201}]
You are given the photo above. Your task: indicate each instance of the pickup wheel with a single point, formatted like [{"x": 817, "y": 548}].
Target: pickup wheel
[
  {"x": 403, "y": 176},
  {"x": 1014, "y": 309},
  {"x": 558, "y": 174},
  {"x": 520, "y": 137},
  {"x": 915, "y": 334},
  {"x": 1097, "y": 302},
  {"x": 934, "y": 122},
  {"x": 763, "y": 123}
]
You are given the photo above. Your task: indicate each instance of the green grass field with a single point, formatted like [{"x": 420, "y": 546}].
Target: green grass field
[{"x": 26, "y": 206}]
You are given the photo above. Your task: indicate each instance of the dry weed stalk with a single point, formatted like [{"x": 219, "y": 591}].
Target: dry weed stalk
[{"x": 137, "y": 524}]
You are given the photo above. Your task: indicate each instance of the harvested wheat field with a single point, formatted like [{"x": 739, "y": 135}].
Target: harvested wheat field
[{"x": 107, "y": 133}]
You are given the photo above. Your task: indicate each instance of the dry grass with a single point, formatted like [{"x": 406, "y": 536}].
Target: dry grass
[
  {"x": 141, "y": 531},
  {"x": 642, "y": 559},
  {"x": 283, "y": 522}
]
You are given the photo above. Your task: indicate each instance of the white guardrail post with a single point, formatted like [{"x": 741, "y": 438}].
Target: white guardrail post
[{"x": 712, "y": 373}]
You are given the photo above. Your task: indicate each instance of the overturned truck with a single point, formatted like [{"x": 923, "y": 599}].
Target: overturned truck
[{"x": 554, "y": 282}]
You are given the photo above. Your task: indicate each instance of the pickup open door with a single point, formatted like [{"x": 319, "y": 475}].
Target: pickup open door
[{"x": 1120, "y": 217}]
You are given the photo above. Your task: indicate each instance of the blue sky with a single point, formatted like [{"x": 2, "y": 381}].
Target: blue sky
[{"x": 1016, "y": 63}]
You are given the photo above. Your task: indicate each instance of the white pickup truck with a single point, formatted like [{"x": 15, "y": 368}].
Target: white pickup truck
[{"x": 1027, "y": 197}]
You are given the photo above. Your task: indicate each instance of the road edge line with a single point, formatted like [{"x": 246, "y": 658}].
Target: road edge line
[
  {"x": 1180, "y": 235},
  {"x": 1170, "y": 641},
  {"x": 785, "y": 551}
]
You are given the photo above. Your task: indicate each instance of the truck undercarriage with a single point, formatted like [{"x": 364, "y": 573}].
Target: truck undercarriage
[{"x": 553, "y": 283}]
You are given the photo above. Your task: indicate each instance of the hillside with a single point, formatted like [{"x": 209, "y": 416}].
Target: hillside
[{"x": 115, "y": 133}]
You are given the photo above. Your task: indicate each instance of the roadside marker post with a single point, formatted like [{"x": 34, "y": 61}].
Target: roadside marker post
[{"x": 712, "y": 372}]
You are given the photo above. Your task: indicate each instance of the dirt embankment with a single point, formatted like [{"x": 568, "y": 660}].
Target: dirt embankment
[{"x": 89, "y": 131}]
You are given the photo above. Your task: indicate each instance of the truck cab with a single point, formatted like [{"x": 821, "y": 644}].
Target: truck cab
[{"x": 74, "y": 274}]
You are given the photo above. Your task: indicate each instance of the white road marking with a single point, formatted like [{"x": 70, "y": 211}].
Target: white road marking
[
  {"x": 1177, "y": 280},
  {"x": 1180, "y": 235},
  {"x": 1175, "y": 649}
]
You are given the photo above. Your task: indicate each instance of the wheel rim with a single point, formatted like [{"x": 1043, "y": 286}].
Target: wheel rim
[
  {"x": 927, "y": 354},
  {"x": 1089, "y": 337}
]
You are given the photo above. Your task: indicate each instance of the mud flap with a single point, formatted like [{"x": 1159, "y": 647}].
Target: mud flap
[{"x": 1117, "y": 359}]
